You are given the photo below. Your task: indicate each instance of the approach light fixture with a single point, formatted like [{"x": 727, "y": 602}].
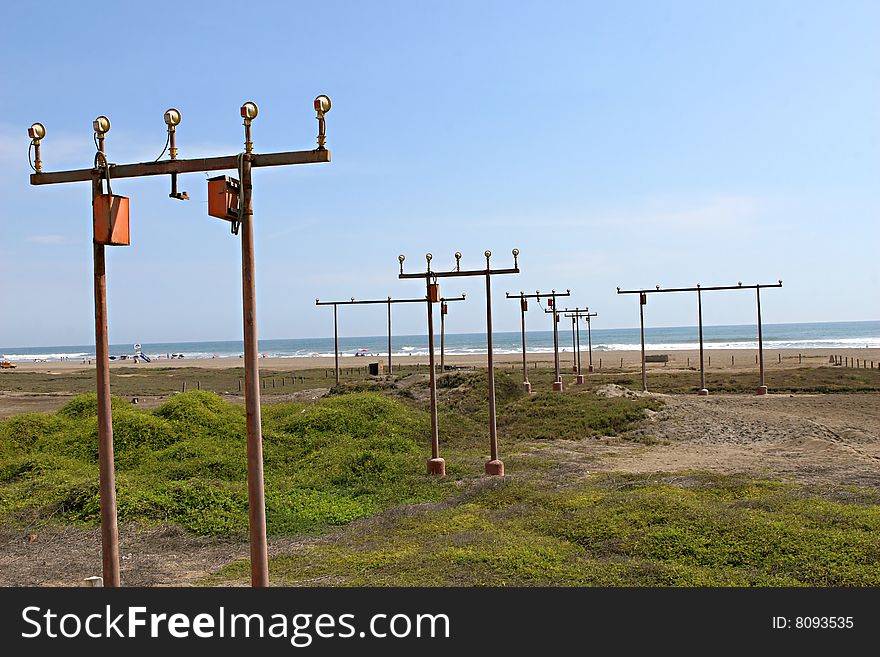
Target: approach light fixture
[
  {"x": 249, "y": 111},
  {"x": 322, "y": 104},
  {"x": 37, "y": 131},
  {"x": 101, "y": 125},
  {"x": 172, "y": 117}
]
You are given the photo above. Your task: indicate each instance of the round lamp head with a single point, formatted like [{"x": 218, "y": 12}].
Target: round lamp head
[
  {"x": 487, "y": 253},
  {"x": 37, "y": 131},
  {"x": 429, "y": 257},
  {"x": 249, "y": 111},
  {"x": 515, "y": 252},
  {"x": 172, "y": 117},
  {"x": 101, "y": 124},
  {"x": 322, "y": 103},
  {"x": 401, "y": 258}
]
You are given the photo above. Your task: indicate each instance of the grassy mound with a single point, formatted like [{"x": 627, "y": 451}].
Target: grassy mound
[{"x": 185, "y": 463}]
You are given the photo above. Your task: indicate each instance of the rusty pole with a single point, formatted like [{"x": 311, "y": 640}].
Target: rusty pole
[
  {"x": 256, "y": 493},
  {"x": 557, "y": 384},
  {"x": 494, "y": 466},
  {"x": 389, "y": 335},
  {"x": 436, "y": 465},
  {"x": 590, "y": 341},
  {"x": 336, "y": 342},
  {"x": 574, "y": 367},
  {"x": 643, "y": 299},
  {"x": 580, "y": 377},
  {"x": 703, "y": 390},
  {"x": 442, "y": 336},
  {"x": 762, "y": 389},
  {"x": 106, "y": 469},
  {"x": 522, "y": 311}
]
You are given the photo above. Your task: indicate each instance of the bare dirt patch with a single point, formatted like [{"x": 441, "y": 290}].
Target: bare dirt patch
[{"x": 829, "y": 440}]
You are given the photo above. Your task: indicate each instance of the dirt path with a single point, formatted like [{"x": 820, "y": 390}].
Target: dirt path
[
  {"x": 829, "y": 440},
  {"x": 154, "y": 556}
]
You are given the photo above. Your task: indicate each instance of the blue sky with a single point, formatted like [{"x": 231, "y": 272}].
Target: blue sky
[{"x": 613, "y": 143}]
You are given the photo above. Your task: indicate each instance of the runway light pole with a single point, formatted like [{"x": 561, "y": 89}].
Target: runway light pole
[
  {"x": 699, "y": 289},
  {"x": 111, "y": 228},
  {"x": 585, "y": 314},
  {"x": 551, "y": 303},
  {"x": 523, "y": 308},
  {"x": 437, "y": 465},
  {"x": 352, "y": 302}
]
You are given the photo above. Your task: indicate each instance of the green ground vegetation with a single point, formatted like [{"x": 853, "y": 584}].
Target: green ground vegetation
[
  {"x": 681, "y": 529},
  {"x": 347, "y": 472}
]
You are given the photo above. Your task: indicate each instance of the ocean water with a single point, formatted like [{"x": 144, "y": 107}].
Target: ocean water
[{"x": 827, "y": 335}]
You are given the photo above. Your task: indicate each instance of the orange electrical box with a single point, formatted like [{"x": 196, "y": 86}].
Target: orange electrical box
[
  {"x": 434, "y": 292},
  {"x": 525, "y": 303},
  {"x": 110, "y": 220},
  {"x": 223, "y": 198},
  {"x": 550, "y": 302},
  {"x": 445, "y": 308}
]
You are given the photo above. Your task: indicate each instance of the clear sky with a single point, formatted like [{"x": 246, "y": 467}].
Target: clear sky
[{"x": 629, "y": 143}]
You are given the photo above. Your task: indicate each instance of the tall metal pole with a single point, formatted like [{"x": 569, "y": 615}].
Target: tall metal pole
[
  {"x": 389, "y": 335},
  {"x": 442, "y": 336},
  {"x": 436, "y": 465},
  {"x": 580, "y": 377},
  {"x": 256, "y": 493},
  {"x": 574, "y": 367},
  {"x": 642, "y": 300},
  {"x": 106, "y": 472},
  {"x": 703, "y": 390},
  {"x": 522, "y": 311},
  {"x": 590, "y": 341},
  {"x": 762, "y": 389},
  {"x": 494, "y": 466},
  {"x": 336, "y": 342},
  {"x": 557, "y": 384}
]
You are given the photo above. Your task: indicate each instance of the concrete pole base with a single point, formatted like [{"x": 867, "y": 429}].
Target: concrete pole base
[
  {"x": 557, "y": 386},
  {"x": 437, "y": 467},
  {"x": 703, "y": 392},
  {"x": 527, "y": 387},
  {"x": 495, "y": 468},
  {"x": 580, "y": 380},
  {"x": 762, "y": 390}
]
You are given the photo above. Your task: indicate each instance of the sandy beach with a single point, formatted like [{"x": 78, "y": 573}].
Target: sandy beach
[{"x": 716, "y": 359}]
